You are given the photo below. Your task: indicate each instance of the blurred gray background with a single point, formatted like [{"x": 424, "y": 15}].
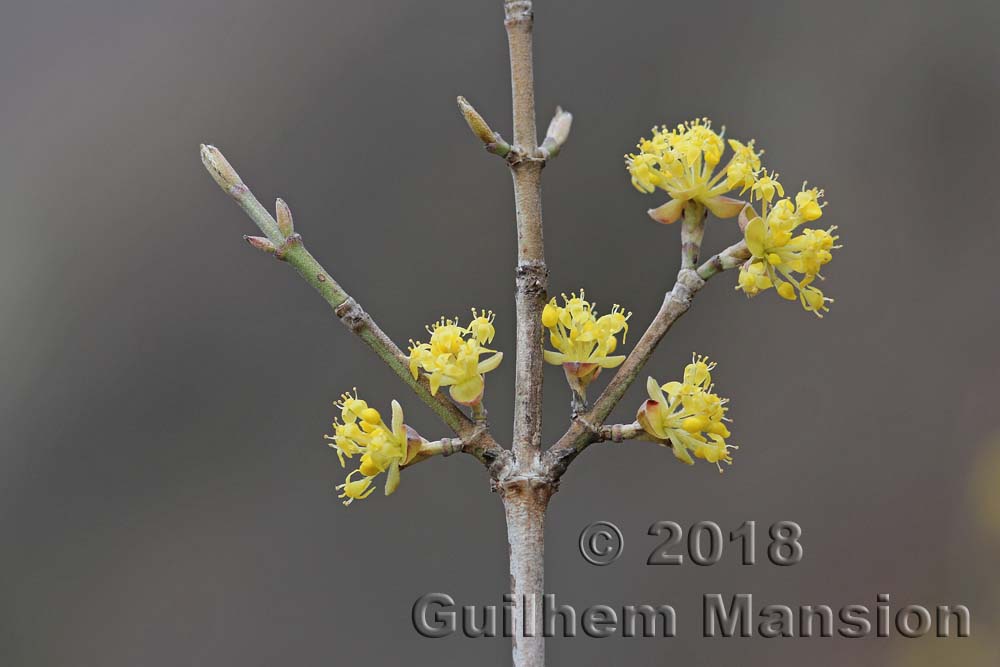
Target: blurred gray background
[{"x": 166, "y": 497}]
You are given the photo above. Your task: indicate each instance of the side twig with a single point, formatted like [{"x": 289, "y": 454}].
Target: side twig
[
  {"x": 730, "y": 258},
  {"x": 281, "y": 240},
  {"x": 587, "y": 430}
]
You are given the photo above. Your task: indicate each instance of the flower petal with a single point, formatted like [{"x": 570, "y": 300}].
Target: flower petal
[
  {"x": 555, "y": 358},
  {"x": 398, "y": 428},
  {"x": 392, "y": 478},
  {"x": 610, "y": 362},
  {"x": 673, "y": 388},
  {"x": 681, "y": 452},
  {"x": 488, "y": 364},
  {"x": 654, "y": 391}
]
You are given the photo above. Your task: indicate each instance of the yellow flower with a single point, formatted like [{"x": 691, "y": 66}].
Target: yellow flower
[
  {"x": 383, "y": 448},
  {"x": 766, "y": 185},
  {"x": 451, "y": 358},
  {"x": 583, "y": 340},
  {"x": 688, "y": 415},
  {"x": 777, "y": 254},
  {"x": 743, "y": 166},
  {"x": 481, "y": 326},
  {"x": 683, "y": 162}
]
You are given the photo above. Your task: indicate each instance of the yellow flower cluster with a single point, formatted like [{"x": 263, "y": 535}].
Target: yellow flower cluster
[
  {"x": 451, "y": 358},
  {"x": 383, "y": 448},
  {"x": 682, "y": 161},
  {"x": 777, "y": 254},
  {"x": 688, "y": 415},
  {"x": 584, "y": 341}
]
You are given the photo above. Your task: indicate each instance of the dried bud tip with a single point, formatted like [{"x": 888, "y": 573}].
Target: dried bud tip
[
  {"x": 413, "y": 443},
  {"x": 584, "y": 372},
  {"x": 285, "y": 223},
  {"x": 220, "y": 169},
  {"x": 476, "y": 122},
  {"x": 261, "y": 243}
]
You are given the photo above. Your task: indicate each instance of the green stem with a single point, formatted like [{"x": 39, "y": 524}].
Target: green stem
[
  {"x": 730, "y": 258},
  {"x": 368, "y": 331},
  {"x": 692, "y": 233}
]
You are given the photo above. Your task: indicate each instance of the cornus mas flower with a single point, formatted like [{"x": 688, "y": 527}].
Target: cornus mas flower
[
  {"x": 584, "y": 341},
  {"x": 683, "y": 162},
  {"x": 383, "y": 448},
  {"x": 688, "y": 415},
  {"x": 776, "y": 254},
  {"x": 451, "y": 358}
]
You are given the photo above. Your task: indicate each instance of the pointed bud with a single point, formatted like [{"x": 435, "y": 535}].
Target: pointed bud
[
  {"x": 261, "y": 243},
  {"x": 220, "y": 169},
  {"x": 285, "y": 224},
  {"x": 558, "y": 133},
  {"x": 493, "y": 141},
  {"x": 476, "y": 123},
  {"x": 559, "y": 125}
]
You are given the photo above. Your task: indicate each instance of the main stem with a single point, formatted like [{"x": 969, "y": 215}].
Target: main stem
[
  {"x": 524, "y": 504},
  {"x": 532, "y": 275},
  {"x": 525, "y": 489}
]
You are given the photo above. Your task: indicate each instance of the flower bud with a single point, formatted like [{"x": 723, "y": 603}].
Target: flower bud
[
  {"x": 550, "y": 315},
  {"x": 368, "y": 467},
  {"x": 694, "y": 424}
]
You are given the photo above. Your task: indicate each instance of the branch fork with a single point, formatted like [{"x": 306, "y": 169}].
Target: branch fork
[
  {"x": 493, "y": 142},
  {"x": 525, "y": 476}
]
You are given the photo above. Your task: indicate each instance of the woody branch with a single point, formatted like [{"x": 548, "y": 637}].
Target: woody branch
[
  {"x": 281, "y": 241},
  {"x": 587, "y": 428}
]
